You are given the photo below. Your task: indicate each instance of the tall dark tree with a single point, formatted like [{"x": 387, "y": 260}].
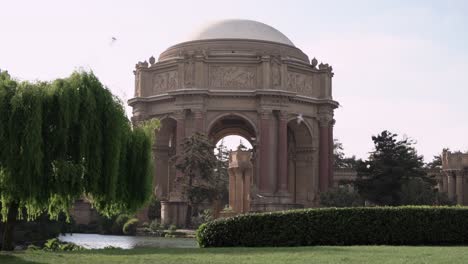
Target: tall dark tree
[
  {"x": 221, "y": 177},
  {"x": 62, "y": 139},
  {"x": 436, "y": 163},
  {"x": 197, "y": 162},
  {"x": 340, "y": 160},
  {"x": 392, "y": 165}
]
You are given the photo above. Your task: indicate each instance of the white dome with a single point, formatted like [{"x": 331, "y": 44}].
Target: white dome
[{"x": 240, "y": 29}]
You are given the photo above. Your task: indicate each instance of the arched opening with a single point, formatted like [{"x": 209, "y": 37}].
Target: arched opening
[
  {"x": 228, "y": 132},
  {"x": 300, "y": 162},
  {"x": 164, "y": 148}
]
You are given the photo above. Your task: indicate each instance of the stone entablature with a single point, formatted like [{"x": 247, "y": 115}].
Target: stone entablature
[
  {"x": 455, "y": 176},
  {"x": 454, "y": 160},
  {"x": 227, "y": 66}
]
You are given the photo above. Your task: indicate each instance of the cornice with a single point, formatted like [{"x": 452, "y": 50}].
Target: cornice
[{"x": 292, "y": 96}]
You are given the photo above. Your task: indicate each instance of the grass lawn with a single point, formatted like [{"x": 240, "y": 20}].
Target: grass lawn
[{"x": 353, "y": 254}]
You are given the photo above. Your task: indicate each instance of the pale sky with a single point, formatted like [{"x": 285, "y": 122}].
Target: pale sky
[{"x": 399, "y": 65}]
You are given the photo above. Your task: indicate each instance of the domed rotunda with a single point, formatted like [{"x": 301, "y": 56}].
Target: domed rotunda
[{"x": 242, "y": 77}]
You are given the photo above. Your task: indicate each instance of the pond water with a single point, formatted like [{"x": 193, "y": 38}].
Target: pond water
[{"x": 94, "y": 241}]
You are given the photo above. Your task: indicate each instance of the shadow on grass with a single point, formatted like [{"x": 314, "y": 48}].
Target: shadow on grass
[
  {"x": 224, "y": 251},
  {"x": 11, "y": 259}
]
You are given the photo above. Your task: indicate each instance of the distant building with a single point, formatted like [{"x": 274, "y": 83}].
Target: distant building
[{"x": 455, "y": 175}]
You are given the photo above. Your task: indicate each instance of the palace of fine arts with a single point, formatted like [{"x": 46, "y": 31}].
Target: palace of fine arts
[{"x": 247, "y": 132}]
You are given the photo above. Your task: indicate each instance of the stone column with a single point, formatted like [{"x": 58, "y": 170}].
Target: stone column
[
  {"x": 199, "y": 119},
  {"x": 331, "y": 163},
  {"x": 451, "y": 186},
  {"x": 265, "y": 152},
  {"x": 180, "y": 134},
  {"x": 459, "y": 188},
  {"x": 324, "y": 150},
  {"x": 444, "y": 182},
  {"x": 283, "y": 152}
]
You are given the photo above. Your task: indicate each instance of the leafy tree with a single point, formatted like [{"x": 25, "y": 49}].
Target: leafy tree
[
  {"x": 393, "y": 164},
  {"x": 340, "y": 160},
  {"x": 436, "y": 163},
  {"x": 63, "y": 139},
  {"x": 197, "y": 162}
]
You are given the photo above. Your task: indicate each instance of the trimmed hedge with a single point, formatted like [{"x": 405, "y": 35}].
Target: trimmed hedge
[{"x": 413, "y": 225}]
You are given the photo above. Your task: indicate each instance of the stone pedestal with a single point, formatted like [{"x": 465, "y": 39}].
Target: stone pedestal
[{"x": 173, "y": 213}]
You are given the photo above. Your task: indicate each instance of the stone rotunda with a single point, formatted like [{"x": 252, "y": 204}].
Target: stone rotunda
[{"x": 242, "y": 77}]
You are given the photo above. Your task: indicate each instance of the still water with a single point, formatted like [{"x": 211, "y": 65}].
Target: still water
[{"x": 94, "y": 241}]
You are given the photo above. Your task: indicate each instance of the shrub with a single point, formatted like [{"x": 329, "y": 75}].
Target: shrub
[
  {"x": 117, "y": 226},
  {"x": 202, "y": 217},
  {"x": 154, "y": 209},
  {"x": 341, "y": 197},
  {"x": 156, "y": 226},
  {"x": 56, "y": 245},
  {"x": 130, "y": 227},
  {"x": 412, "y": 225}
]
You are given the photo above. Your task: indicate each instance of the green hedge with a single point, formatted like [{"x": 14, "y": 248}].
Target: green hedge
[{"x": 416, "y": 225}]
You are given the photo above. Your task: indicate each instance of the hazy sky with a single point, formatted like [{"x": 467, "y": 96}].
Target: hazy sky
[{"x": 399, "y": 65}]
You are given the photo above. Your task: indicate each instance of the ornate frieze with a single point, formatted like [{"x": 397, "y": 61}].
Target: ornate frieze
[
  {"x": 232, "y": 77},
  {"x": 300, "y": 83},
  {"x": 165, "y": 81}
]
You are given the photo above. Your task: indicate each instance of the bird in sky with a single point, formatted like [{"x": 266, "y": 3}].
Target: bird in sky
[{"x": 113, "y": 40}]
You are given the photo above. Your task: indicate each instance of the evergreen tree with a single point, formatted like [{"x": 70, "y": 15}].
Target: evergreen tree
[
  {"x": 340, "y": 160},
  {"x": 197, "y": 162},
  {"x": 62, "y": 139},
  {"x": 392, "y": 165},
  {"x": 221, "y": 179}
]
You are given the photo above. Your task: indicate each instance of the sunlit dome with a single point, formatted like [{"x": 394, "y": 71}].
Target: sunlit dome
[{"x": 240, "y": 29}]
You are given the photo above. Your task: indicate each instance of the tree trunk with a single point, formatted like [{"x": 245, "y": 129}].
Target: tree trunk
[{"x": 8, "y": 231}]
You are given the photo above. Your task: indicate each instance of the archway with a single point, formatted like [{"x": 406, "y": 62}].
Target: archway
[
  {"x": 301, "y": 183},
  {"x": 164, "y": 148},
  {"x": 240, "y": 169}
]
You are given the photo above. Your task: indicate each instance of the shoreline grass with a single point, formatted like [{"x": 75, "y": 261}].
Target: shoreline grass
[{"x": 290, "y": 255}]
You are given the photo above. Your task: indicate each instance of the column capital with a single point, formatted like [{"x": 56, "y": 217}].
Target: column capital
[
  {"x": 179, "y": 114},
  {"x": 265, "y": 113},
  {"x": 283, "y": 114},
  {"x": 198, "y": 113},
  {"x": 324, "y": 121}
]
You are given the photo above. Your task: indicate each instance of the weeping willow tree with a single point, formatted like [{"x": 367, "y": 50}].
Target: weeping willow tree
[{"x": 62, "y": 139}]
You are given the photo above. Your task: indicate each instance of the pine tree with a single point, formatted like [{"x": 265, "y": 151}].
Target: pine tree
[
  {"x": 392, "y": 165},
  {"x": 197, "y": 162}
]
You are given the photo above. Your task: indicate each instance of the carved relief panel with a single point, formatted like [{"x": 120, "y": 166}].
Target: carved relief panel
[
  {"x": 189, "y": 73},
  {"x": 164, "y": 81},
  {"x": 275, "y": 73},
  {"x": 300, "y": 83},
  {"x": 232, "y": 77}
]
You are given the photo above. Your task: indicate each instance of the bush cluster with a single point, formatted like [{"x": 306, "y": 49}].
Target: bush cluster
[
  {"x": 412, "y": 225},
  {"x": 117, "y": 226},
  {"x": 130, "y": 227},
  {"x": 56, "y": 245}
]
